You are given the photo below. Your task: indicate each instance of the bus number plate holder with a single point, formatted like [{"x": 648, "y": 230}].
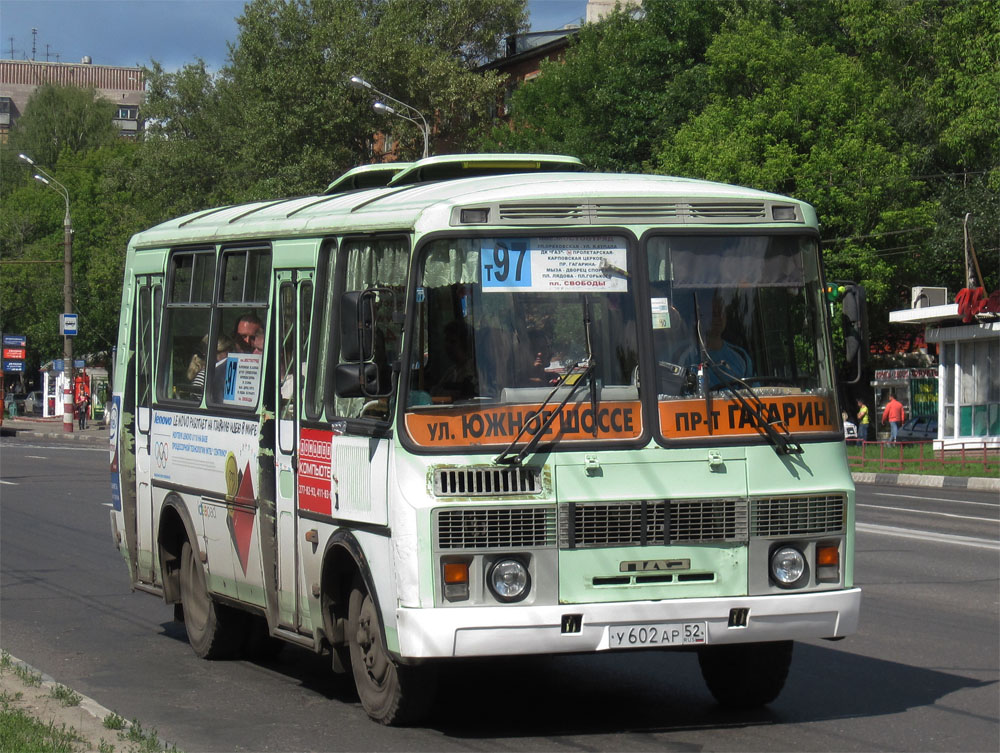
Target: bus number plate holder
[{"x": 651, "y": 636}]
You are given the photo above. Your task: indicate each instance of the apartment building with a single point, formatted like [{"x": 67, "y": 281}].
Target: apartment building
[{"x": 20, "y": 78}]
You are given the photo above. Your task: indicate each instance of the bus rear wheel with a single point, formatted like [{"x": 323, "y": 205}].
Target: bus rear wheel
[
  {"x": 390, "y": 693},
  {"x": 214, "y": 631},
  {"x": 745, "y": 675}
]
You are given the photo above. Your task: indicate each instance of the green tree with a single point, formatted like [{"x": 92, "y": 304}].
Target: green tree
[
  {"x": 300, "y": 123},
  {"x": 97, "y": 170},
  {"x": 623, "y": 84},
  {"x": 62, "y": 117}
]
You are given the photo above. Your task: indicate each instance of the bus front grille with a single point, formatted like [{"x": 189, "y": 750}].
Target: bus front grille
[
  {"x": 651, "y": 522},
  {"x": 798, "y": 516},
  {"x": 495, "y": 528},
  {"x": 486, "y": 481}
]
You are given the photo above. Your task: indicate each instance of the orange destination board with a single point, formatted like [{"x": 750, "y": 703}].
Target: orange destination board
[
  {"x": 498, "y": 425},
  {"x": 683, "y": 419}
]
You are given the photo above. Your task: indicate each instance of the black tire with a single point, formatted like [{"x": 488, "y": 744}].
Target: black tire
[
  {"x": 390, "y": 693},
  {"x": 213, "y": 630},
  {"x": 745, "y": 675}
]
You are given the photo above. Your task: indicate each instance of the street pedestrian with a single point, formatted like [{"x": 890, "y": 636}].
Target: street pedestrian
[
  {"x": 894, "y": 414},
  {"x": 863, "y": 420},
  {"x": 82, "y": 409}
]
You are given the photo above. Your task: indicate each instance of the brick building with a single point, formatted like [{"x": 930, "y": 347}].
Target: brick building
[{"x": 20, "y": 78}]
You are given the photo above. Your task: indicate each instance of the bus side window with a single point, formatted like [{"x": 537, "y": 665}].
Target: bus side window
[
  {"x": 189, "y": 310},
  {"x": 245, "y": 286},
  {"x": 321, "y": 356},
  {"x": 370, "y": 263}
]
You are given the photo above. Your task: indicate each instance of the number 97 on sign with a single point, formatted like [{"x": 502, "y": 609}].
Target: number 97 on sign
[{"x": 506, "y": 264}]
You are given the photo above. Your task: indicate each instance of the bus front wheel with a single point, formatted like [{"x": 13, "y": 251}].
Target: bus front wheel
[
  {"x": 390, "y": 693},
  {"x": 214, "y": 631},
  {"x": 745, "y": 675}
]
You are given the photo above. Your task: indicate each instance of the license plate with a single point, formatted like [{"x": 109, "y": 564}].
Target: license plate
[{"x": 650, "y": 636}]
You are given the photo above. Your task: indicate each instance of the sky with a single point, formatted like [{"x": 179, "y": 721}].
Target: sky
[{"x": 172, "y": 32}]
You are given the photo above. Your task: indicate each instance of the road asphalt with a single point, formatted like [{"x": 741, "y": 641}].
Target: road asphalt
[{"x": 87, "y": 717}]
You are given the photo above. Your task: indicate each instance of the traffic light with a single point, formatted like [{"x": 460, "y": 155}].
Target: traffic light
[{"x": 836, "y": 291}]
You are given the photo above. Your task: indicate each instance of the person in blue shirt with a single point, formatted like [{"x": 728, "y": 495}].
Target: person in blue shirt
[{"x": 730, "y": 360}]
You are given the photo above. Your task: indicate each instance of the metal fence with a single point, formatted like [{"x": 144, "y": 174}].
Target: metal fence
[{"x": 962, "y": 459}]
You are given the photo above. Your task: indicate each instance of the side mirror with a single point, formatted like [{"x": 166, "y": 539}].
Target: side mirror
[
  {"x": 357, "y": 325},
  {"x": 364, "y": 371},
  {"x": 359, "y": 380},
  {"x": 855, "y": 322}
]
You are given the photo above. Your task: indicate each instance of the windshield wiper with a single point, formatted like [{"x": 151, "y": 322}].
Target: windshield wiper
[
  {"x": 775, "y": 431},
  {"x": 505, "y": 457},
  {"x": 589, "y": 364}
]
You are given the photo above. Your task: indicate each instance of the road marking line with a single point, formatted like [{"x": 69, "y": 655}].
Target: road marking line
[
  {"x": 942, "y": 538},
  {"x": 37, "y": 457},
  {"x": 9, "y": 483},
  {"x": 931, "y": 512},
  {"x": 936, "y": 499}
]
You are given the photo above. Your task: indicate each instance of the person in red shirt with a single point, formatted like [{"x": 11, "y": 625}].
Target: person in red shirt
[{"x": 894, "y": 415}]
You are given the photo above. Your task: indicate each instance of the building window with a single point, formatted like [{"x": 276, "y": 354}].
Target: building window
[{"x": 127, "y": 112}]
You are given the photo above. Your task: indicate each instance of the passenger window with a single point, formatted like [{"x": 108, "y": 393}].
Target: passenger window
[
  {"x": 236, "y": 376},
  {"x": 189, "y": 311}
]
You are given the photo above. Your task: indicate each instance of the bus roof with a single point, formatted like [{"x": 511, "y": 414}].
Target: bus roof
[
  {"x": 366, "y": 176},
  {"x": 452, "y": 166},
  {"x": 520, "y": 200}
]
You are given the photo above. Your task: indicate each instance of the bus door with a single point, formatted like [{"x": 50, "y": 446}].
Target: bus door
[
  {"x": 293, "y": 316},
  {"x": 147, "y": 452}
]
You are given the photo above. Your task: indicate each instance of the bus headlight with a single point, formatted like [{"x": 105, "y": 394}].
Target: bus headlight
[
  {"x": 788, "y": 566},
  {"x": 509, "y": 580}
]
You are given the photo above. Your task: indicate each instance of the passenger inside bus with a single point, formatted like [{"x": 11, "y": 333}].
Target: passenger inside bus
[{"x": 246, "y": 333}]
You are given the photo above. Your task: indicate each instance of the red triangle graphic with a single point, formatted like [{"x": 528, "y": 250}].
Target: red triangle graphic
[{"x": 241, "y": 518}]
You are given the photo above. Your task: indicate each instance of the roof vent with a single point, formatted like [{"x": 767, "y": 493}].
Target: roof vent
[{"x": 86, "y": 60}]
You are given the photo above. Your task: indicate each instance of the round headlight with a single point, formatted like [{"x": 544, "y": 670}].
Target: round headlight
[
  {"x": 788, "y": 566},
  {"x": 509, "y": 580}
]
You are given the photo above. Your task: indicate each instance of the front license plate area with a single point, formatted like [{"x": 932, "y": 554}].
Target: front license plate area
[{"x": 651, "y": 636}]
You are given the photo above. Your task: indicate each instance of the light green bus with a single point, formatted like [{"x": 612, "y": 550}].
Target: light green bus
[{"x": 499, "y": 406}]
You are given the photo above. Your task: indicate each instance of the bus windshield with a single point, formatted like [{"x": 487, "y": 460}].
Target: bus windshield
[
  {"x": 738, "y": 312},
  {"x": 505, "y": 327},
  {"x": 502, "y": 321}
]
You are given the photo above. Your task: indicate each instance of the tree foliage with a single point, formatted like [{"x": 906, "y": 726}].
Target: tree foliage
[{"x": 883, "y": 114}]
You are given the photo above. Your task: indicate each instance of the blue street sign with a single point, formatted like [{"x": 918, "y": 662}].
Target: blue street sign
[
  {"x": 17, "y": 341},
  {"x": 57, "y": 364},
  {"x": 67, "y": 324},
  {"x": 79, "y": 363},
  {"x": 12, "y": 366}
]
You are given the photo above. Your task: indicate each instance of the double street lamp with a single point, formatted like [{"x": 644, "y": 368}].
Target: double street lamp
[
  {"x": 400, "y": 110},
  {"x": 43, "y": 177}
]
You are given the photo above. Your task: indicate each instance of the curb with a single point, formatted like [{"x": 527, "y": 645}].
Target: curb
[
  {"x": 976, "y": 483},
  {"x": 97, "y": 436}
]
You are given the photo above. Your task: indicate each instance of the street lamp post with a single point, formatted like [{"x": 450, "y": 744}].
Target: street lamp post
[
  {"x": 43, "y": 177},
  {"x": 384, "y": 108}
]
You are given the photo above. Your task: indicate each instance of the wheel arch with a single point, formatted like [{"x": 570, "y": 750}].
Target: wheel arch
[
  {"x": 343, "y": 561},
  {"x": 175, "y": 527}
]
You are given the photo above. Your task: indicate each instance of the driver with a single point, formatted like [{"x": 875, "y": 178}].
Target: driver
[{"x": 730, "y": 359}]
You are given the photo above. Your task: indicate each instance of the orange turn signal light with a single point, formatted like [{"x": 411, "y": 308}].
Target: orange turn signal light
[
  {"x": 827, "y": 555},
  {"x": 456, "y": 572}
]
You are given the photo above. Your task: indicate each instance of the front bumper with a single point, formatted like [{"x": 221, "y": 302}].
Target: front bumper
[{"x": 494, "y": 631}]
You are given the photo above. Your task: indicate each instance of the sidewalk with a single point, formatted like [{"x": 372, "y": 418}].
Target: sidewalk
[{"x": 27, "y": 427}]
